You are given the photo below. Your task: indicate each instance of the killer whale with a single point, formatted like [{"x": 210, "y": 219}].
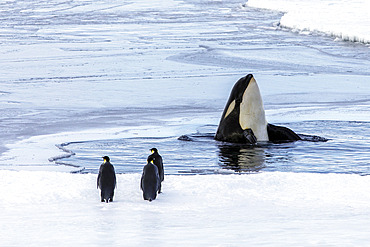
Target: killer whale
[{"x": 243, "y": 119}]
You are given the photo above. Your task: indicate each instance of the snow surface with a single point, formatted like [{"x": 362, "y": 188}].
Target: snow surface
[
  {"x": 267, "y": 209},
  {"x": 345, "y": 19},
  {"x": 90, "y": 70}
]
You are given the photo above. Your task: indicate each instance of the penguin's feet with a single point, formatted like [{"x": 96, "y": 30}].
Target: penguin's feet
[{"x": 249, "y": 136}]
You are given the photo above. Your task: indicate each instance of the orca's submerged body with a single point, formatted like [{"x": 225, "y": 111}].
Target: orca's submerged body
[{"x": 243, "y": 119}]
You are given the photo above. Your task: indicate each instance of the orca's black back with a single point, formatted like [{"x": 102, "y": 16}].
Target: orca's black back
[{"x": 281, "y": 134}]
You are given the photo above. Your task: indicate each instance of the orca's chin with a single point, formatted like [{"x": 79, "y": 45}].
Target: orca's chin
[{"x": 252, "y": 112}]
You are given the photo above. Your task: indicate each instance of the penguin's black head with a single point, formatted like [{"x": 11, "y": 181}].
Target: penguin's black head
[
  {"x": 106, "y": 159},
  {"x": 150, "y": 159},
  {"x": 154, "y": 150}
]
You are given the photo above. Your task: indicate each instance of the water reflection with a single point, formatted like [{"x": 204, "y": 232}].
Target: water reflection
[
  {"x": 347, "y": 151},
  {"x": 241, "y": 158}
]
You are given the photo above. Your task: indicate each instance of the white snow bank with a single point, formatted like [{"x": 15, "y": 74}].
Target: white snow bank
[
  {"x": 345, "y": 19},
  {"x": 272, "y": 209}
]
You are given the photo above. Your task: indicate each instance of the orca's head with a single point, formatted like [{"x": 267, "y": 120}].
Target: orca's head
[
  {"x": 244, "y": 109},
  {"x": 236, "y": 95}
]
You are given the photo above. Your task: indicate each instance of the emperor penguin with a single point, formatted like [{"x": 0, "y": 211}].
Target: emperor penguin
[
  {"x": 243, "y": 119},
  {"x": 106, "y": 180},
  {"x": 150, "y": 180},
  {"x": 158, "y": 161}
]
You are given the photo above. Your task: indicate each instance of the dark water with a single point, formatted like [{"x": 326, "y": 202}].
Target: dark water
[{"x": 346, "y": 151}]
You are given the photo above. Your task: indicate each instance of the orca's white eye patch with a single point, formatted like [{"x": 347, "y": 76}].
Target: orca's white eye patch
[{"x": 230, "y": 109}]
